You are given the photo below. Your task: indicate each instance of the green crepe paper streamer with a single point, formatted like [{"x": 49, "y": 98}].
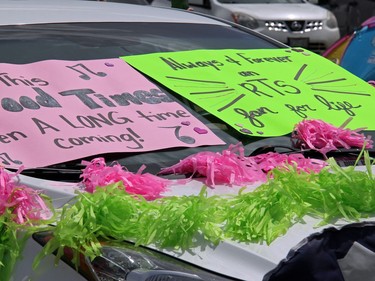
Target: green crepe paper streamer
[
  {"x": 76, "y": 229},
  {"x": 182, "y": 222},
  {"x": 111, "y": 213},
  {"x": 270, "y": 210},
  {"x": 10, "y": 249}
]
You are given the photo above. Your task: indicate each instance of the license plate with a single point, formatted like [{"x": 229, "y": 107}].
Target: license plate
[{"x": 298, "y": 42}]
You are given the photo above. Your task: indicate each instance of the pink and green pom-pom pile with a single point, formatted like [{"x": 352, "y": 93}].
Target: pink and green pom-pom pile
[
  {"x": 119, "y": 205},
  {"x": 22, "y": 211},
  {"x": 180, "y": 223}
]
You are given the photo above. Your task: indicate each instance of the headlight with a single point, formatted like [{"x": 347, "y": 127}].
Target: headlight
[
  {"x": 126, "y": 262},
  {"x": 245, "y": 20},
  {"x": 122, "y": 261},
  {"x": 331, "y": 20}
]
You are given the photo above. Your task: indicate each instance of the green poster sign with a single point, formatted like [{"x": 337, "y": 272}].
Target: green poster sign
[{"x": 264, "y": 92}]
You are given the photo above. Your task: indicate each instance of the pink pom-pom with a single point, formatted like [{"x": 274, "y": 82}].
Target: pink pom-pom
[
  {"x": 98, "y": 174},
  {"x": 25, "y": 203},
  {"x": 230, "y": 167},
  {"x": 271, "y": 160},
  {"x": 28, "y": 205},
  {"x": 324, "y": 137}
]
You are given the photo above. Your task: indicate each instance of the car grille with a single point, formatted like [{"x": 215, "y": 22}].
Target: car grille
[{"x": 294, "y": 26}]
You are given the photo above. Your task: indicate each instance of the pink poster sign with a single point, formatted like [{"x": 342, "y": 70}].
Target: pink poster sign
[{"x": 56, "y": 111}]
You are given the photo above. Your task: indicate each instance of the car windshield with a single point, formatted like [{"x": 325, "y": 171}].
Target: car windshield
[
  {"x": 81, "y": 41},
  {"x": 23, "y": 44}
]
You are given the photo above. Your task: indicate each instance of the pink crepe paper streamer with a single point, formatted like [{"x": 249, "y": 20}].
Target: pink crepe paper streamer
[
  {"x": 324, "y": 137},
  {"x": 230, "y": 167},
  {"x": 98, "y": 174},
  {"x": 271, "y": 160},
  {"x": 25, "y": 202},
  {"x": 233, "y": 168}
]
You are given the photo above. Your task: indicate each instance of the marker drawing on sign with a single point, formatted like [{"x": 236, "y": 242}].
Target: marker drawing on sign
[
  {"x": 252, "y": 115},
  {"x": 300, "y": 109},
  {"x": 326, "y": 81},
  {"x": 84, "y": 69},
  {"x": 195, "y": 80},
  {"x": 308, "y": 77},
  {"x": 341, "y": 92},
  {"x": 208, "y": 82},
  {"x": 211, "y": 92},
  {"x": 184, "y": 139},
  {"x": 303, "y": 68},
  {"x": 200, "y": 131},
  {"x": 6, "y": 160},
  {"x": 338, "y": 106},
  {"x": 231, "y": 103},
  {"x": 299, "y": 73}
]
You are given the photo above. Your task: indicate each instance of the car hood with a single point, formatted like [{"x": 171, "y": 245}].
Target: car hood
[
  {"x": 280, "y": 11},
  {"x": 245, "y": 261}
]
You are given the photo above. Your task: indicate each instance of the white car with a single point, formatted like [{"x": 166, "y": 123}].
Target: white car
[
  {"x": 70, "y": 97},
  {"x": 293, "y": 22}
]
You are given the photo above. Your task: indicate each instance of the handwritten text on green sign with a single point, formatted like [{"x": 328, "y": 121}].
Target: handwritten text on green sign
[{"x": 263, "y": 92}]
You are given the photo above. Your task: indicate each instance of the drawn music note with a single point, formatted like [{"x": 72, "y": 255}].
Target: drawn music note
[
  {"x": 6, "y": 160},
  {"x": 185, "y": 139},
  {"x": 84, "y": 69}
]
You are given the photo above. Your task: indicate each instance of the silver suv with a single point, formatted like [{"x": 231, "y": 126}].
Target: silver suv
[{"x": 293, "y": 22}]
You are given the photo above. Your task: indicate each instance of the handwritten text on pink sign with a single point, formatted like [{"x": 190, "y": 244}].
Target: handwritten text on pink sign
[{"x": 57, "y": 111}]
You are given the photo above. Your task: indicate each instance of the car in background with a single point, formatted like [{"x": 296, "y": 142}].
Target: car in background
[
  {"x": 293, "y": 22},
  {"x": 38, "y": 39}
]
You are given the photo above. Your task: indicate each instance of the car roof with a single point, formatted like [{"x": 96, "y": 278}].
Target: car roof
[{"x": 62, "y": 11}]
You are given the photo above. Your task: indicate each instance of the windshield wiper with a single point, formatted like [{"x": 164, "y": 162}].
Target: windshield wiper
[{"x": 54, "y": 174}]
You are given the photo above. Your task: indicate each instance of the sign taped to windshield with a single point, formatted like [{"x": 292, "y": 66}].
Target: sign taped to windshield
[
  {"x": 263, "y": 92},
  {"x": 57, "y": 111}
]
